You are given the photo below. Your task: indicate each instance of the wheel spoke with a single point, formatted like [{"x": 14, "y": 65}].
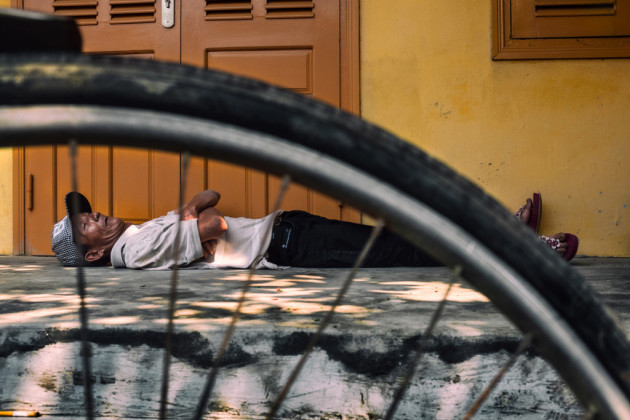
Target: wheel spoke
[
  {"x": 411, "y": 370},
  {"x": 86, "y": 350},
  {"x": 495, "y": 381},
  {"x": 327, "y": 319},
  {"x": 173, "y": 293},
  {"x": 212, "y": 375}
]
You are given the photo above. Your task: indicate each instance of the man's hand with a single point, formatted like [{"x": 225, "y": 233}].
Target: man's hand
[
  {"x": 211, "y": 224},
  {"x": 209, "y": 248}
]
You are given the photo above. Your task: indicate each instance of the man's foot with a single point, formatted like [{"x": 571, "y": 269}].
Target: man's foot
[
  {"x": 530, "y": 212},
  {"x": 524, "y": 213},
  {"x": 564, "y": 244}
]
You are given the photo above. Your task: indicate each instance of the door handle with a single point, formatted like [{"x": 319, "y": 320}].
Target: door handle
[
  {"x": 168, "y": 13},
  {"x": 29, "y": 192}
]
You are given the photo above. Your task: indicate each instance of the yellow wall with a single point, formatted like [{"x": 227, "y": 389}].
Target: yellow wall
[
  {"x": 559, "y": 127},
  {"x": 6, "y": 191},
  {"x": 6, "y": 201}
]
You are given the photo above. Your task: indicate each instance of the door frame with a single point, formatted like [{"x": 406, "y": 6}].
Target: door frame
[
  {"x": 349, "y": 51},
  {"x": 18, "y": 201}
]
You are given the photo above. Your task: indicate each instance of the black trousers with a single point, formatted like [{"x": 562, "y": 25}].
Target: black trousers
[{"x": 300, "y": 239}]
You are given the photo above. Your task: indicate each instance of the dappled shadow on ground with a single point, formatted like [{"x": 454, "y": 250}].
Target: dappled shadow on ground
[
  {"x": 390, "y": 298},
  {"x": 129, "y": 307},
  {"x": 361, "y": 353}
]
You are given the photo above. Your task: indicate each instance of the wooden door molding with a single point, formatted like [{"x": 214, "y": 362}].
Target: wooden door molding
[
  {"x": 349, "y": 13},
  {"x": 18, "y": 200},
  {"x": 350, "y": 86}
]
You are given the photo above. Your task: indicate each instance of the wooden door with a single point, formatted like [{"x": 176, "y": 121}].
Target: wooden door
[
  {"x": 113, "y": 27},
  {"x": 293, "y": 44}
]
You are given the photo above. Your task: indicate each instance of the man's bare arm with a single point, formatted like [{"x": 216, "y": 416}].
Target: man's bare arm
[
  {"x": 210, "y": 221},
  {"x": 199, "y": 203},
  {"x": 211, "y": 224}
]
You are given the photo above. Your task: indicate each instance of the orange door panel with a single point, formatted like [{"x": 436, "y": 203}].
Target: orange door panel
[
  {"x": 294, "y": 45},
  {"x": 92, "y": 176},
  {"x": 39, "y": 203}
]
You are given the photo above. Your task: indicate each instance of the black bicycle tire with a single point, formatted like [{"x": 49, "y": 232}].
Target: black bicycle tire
[{"x": 175, "y": 89}]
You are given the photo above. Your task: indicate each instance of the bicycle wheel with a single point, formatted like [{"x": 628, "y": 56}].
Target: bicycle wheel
[{"x": 47, "y": 99}]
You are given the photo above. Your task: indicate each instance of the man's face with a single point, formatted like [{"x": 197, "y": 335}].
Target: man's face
[{"x": 95, "y": 230}]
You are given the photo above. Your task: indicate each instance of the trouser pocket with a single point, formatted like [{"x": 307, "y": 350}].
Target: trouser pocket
[{"x": 283, "y": 241}]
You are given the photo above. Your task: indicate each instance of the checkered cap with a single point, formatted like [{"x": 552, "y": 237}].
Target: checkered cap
[{"x": 63, "y": 245}]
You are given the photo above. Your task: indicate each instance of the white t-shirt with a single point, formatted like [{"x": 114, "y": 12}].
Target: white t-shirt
[{"x": 150, "y": 245}]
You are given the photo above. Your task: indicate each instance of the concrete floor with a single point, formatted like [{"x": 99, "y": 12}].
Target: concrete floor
[{"x": 351, "y": 374}]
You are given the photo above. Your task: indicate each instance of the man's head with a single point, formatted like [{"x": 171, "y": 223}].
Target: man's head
[{"x": 85, "y": 237}]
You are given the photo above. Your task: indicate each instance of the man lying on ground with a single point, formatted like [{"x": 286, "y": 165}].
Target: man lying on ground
[{"x": 207, "y": 239}]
